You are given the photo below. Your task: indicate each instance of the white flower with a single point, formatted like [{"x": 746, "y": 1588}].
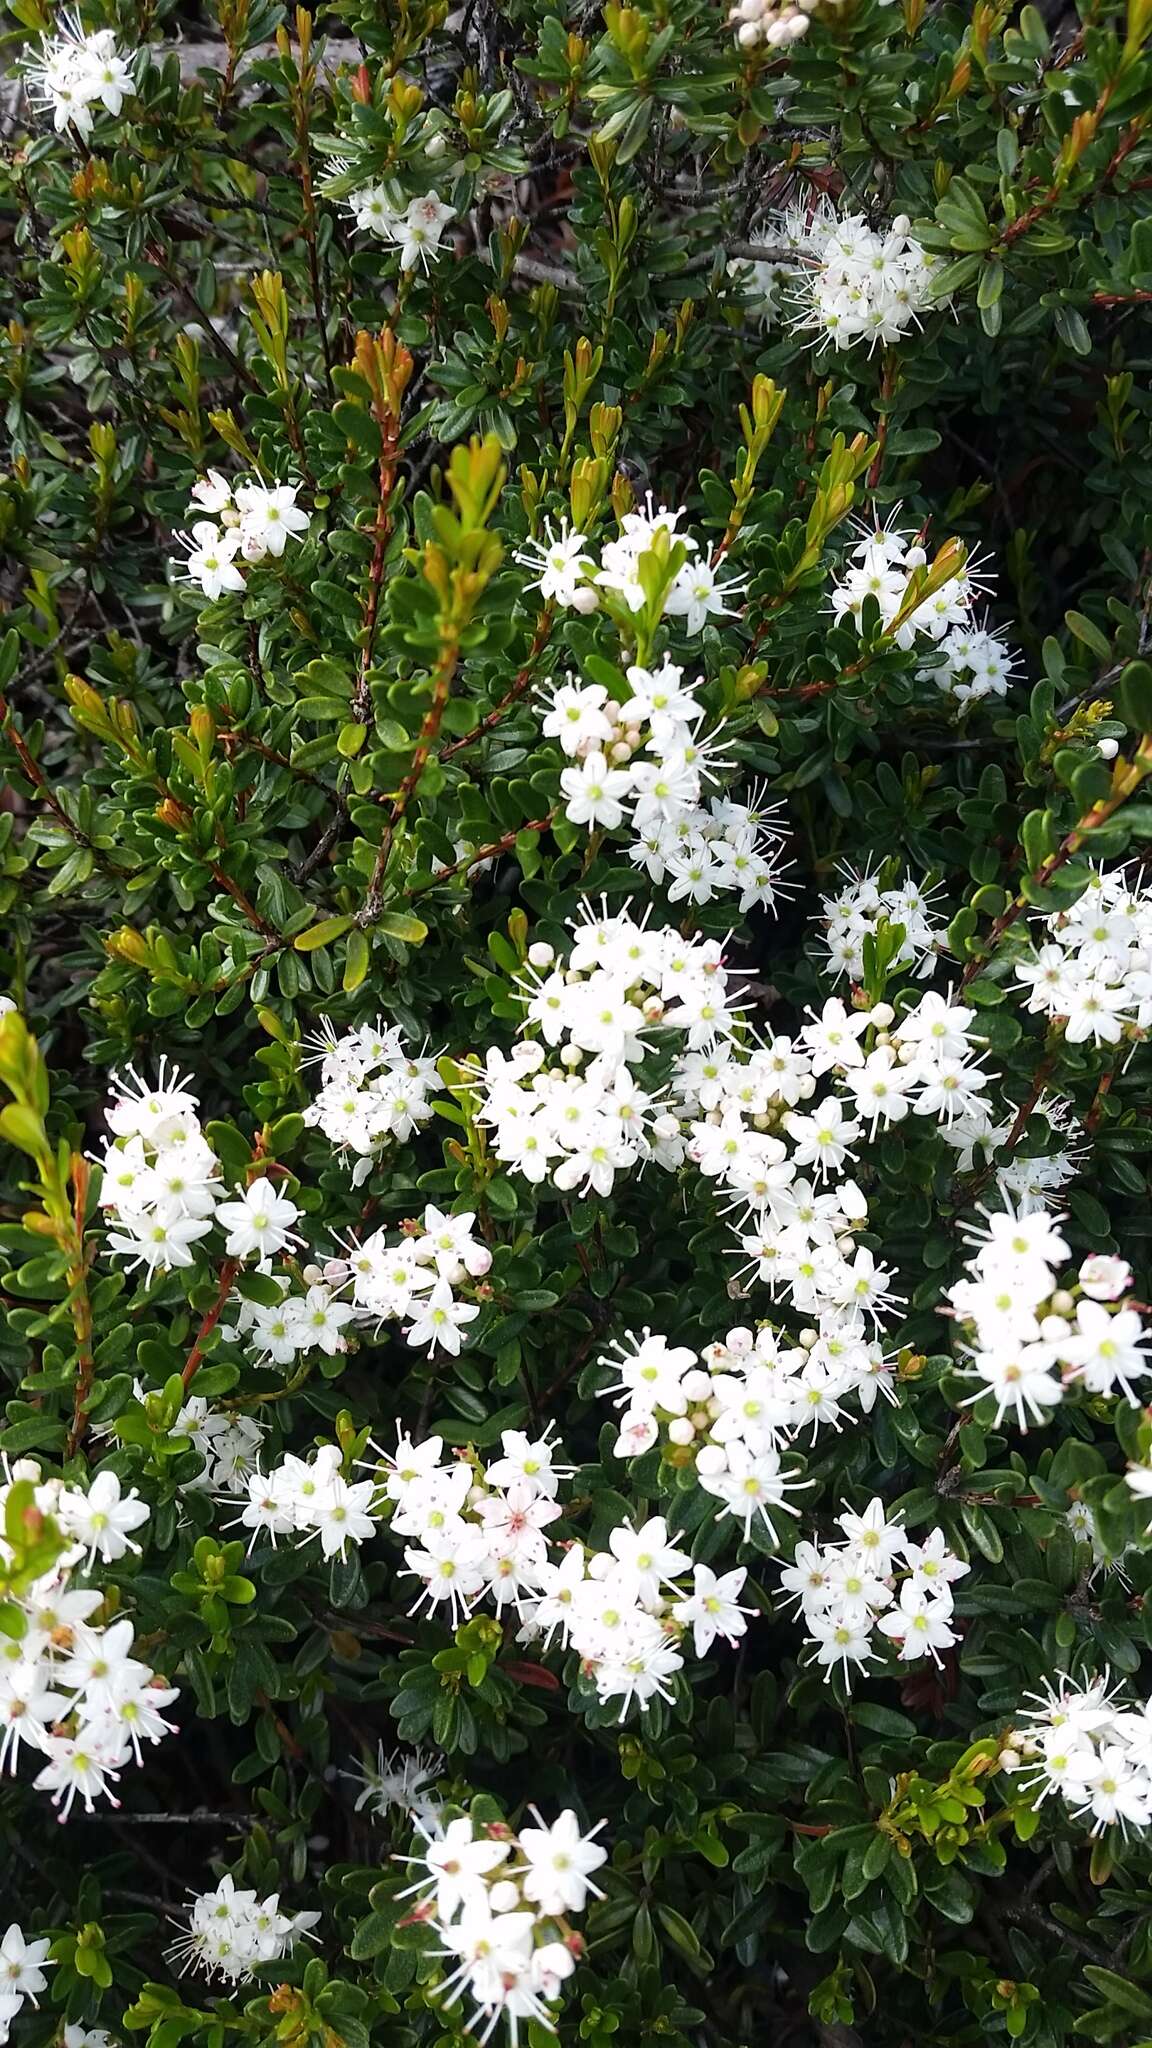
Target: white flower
[
  {"x": 418, "y": 233},
  {"x": 259, "y": 1221},
  {"x": 696, "y": 596},
  {"x": 713, "y": 1609},
  {"x": 1104, "y": 1278},
  {"x": 440, "y": 1319},
  {"x": 562, "y": 564},
  {"x": 269, "y": 517},
  {"x": 371, "y": 211},
  {"x": 454, "y": 1861},
  {"x": 919, "y": 1623},
  {"x": 560, "y": 1862},
  {"x": 101, "y": 1519},
  {"x": 23, "y": 1962},
  {"x": 210, "y": 559},
  {"x": 593, "y": 792}
]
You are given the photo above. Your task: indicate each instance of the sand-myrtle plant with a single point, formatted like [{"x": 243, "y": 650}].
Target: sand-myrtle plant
[{"x": 575, "y": 982}]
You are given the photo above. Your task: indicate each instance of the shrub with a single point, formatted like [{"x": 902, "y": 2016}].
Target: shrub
[{"x": 575, "y": 706}]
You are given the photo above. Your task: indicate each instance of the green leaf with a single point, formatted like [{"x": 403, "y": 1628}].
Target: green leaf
[
  {"x": 321, "y": 934},
  {"x": 400, "y": 924}
]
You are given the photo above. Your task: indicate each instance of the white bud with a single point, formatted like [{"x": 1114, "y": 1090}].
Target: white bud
[
  {"x": 1053, "y": 1329},
  {"x": 681, "y": 1431},
  {"x": 584, "y": 599},
  {"x": 540, "y": 954},
  {"x": 1062, "y": 1303},
  {"x": 882, "y": 1015},
  {"x": 1107, "y": 749},
  {"x": 749, "y": 35},
  {"x": 711, "y": 1461},
  {"x": 696, "y": 1385}
]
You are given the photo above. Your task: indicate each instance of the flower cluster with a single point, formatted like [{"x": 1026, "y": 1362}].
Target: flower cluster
[
  {"x": 474, "y": 1533},
  {"x": 413, "y": 1277},
  {"x": 1025, "y": 1181},
  {"x": 624, "y": 1612},
  {"x": 228, "y": 1441},
  {"x": 582, "y": 1117},
  {"x": 372, "y": 1089},
  {"x": 1031, "y": 1340},
  {"x": 876, "y": 1578},
  {"x": 246, "y": 521},
  {"x": 416, "y": 232},
  {"x": 630, "y": 570},
  {"x": 1081, "y": 1742},
  {"x": 77, "y": 74},
  {"x": 773, "y": 23},
  {"x": 641, "y": 757},
  {"x": 291, "y": 1325},
  {"x": 162, "y": 1186},
  {"x": 968, "y": 662},
  {"x": 22, "y": 1967},
  {"x": 964, "y": 660},
  {"x": 231, "y": 1933},
  {"x": 730, "y": 1408},
  {"x": 499, "y": 1903},
  {"x": 481, "y": 1533},
  {"x": 1093, "y": 969},
  {"x": 400, "y": 1783},
  {"x": 310, "y": 1497},
  {"x": 917, "y": 1062},
  {"x": 853, "y": 282},
  {"x": 70, "y": 1687},
  {"x": 861, "y": 905}
]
